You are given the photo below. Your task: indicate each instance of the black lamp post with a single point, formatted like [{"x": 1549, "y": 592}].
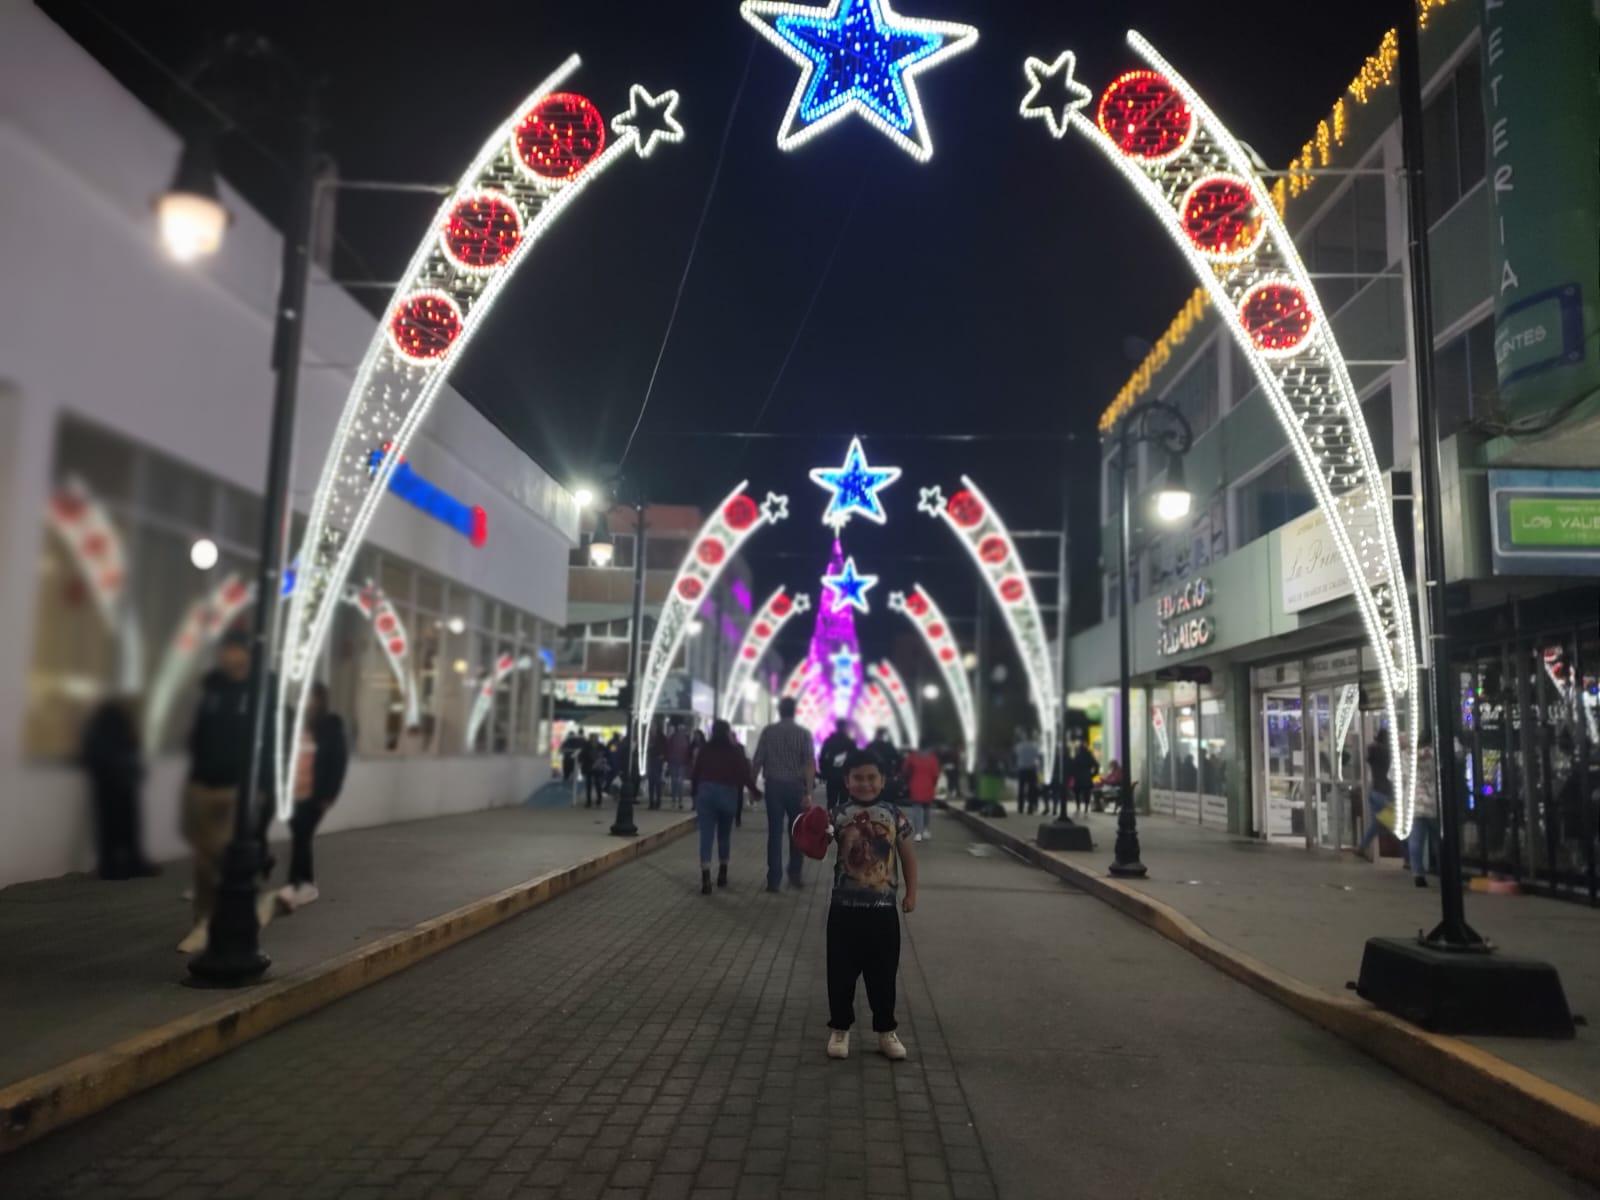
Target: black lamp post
[
  {"x": 1160, "y": 423},
  {"x": 600, "y": 553},
  {"x": 190, "y": 228}
]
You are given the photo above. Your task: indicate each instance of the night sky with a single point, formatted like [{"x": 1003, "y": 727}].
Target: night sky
[{"x": 1005, "y": 288}]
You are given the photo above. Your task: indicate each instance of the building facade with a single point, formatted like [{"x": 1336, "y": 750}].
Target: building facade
[
  {"x": 1256, "y": 693},
  {"x": 135, "y": 398}
]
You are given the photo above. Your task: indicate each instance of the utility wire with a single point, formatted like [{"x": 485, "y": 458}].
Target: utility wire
[{"x": 694, "y": 246}]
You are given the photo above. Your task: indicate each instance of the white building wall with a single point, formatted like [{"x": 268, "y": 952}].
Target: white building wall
[{"x": 96, "y": 322}]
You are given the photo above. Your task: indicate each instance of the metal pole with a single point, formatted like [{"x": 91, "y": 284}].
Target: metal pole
[
  {"x": 233, "y": 956},
  {"x": 623, "y": 826},
  {"x": 1062, "y": 608},
  {"x": 1126, "y": 850},
  {"x": 1452, "y": 932}
]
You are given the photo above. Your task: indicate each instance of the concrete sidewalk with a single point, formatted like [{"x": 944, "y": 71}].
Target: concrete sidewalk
[
  {"x": 1294, "y": 924},
  {"x": 91, "y": 964}
]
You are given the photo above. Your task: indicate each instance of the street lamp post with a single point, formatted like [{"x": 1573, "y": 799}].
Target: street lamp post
[
  {"x": 623, "y": 826},
  {"x": 233, "y": 956},
  {"x": 1160, "y": 423}
]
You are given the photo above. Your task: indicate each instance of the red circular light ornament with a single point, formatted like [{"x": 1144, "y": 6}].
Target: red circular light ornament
[
  {"x": 740, "y": 513},
  {"x": 385, "y": 623},
  {"x": 993, "y": 549},
  {"x": 710, "y": 551},
  {"x": 936, "y": 630},
  {"x": 916, "y": 605},
  {"x": 397, "y": 646},
  {"x": 781, "y": 606},
  {"x": 424, "y": 326},
  {"x": 749, "y": 651},
  {"x": 689, "y": 588},
  {"x": 481, "y": 231},
  {"x": 947, "y": 655},
  {"x": 1277, "y": 317},
  {"x": 966, "y": 510},
  {"x": 1012, "y": 589},
  {"x": 560, "y": 136},
  {"x": 1220, "y": 217},
  {"x": 763, "y": 630},
  {"x": 1145, "y": 116}
]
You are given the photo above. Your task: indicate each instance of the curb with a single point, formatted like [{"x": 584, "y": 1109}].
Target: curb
[
  {"x": 1562, "y": 1126},
  {"x": 43, "y": 1103}
]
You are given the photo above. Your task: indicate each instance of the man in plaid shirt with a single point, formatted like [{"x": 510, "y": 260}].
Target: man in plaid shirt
[{"x": 785, "y": 756}]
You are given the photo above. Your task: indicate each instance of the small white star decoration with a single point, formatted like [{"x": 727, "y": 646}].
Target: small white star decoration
[
  {"x": 649, "y": 119},
  {"x": 931, "y": 500},
  {"x": 774, "y": 509},
  {"x": 1053, "y": 94},
  {"x": 802, "y": 603},
  {"x": 897, "y": 601}
]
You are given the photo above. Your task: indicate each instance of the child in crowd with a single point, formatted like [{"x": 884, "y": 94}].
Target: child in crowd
[{"x": 874, "y": 840}]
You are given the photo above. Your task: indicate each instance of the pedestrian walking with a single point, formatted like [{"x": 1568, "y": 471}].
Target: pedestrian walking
[
  {"x": 320, "y": 765},
  {"x": 615, "y": 760},
  {"x": 1026, "y": 755},
  {"x": 1425, "y": 817},
  {"x": 591, "y": 761},
  {"x": 1084, "y": 768},
  {"x": 570, "y": 746},
  {"x": 788, "y": 773},
  {"x": 835, "y": 747},
  {"x": 888, "y": 755},
  {"x": 114, "y": 761},
  {"x": 1380, "y": 790},
  {"x": 952, "y": 773},
  {"x": 874, "y": 847},
  {"x": 677, "y": 760},
  {"x": 718, "y": 778},
  {"x": 655, "y": 757},
  {"x": 920, "y": 770},
  {"x": 219, "y": 758}
]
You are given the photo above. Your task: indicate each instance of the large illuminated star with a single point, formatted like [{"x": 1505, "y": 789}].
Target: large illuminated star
[
  {"x": 855, "y": 487},
  {"x": 850, "y": 588},
  {"x": 1053, "y": 93},
  {"x": 857, "y": 56}
]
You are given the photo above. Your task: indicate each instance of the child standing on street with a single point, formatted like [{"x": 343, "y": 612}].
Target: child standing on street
[{"x": 874, "y": 840}]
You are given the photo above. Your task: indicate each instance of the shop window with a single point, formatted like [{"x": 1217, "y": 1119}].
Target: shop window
[
  {"x": 607, "y": 658},
  {"x": 1465, "y": 385},
  {"x": 430, "y": 592},
  {"x": 1349, "y": 240},
  {"x": 662, "y": 553},
  {"x": 621, "y": 556},
  {"x": 1241, "y": 375},
  {"x": 100, "y": 459},
  {"x": 176, "y": 492},
  {"x": 1453, "y": 137},
  {"x": 1274, "y": 497},
  {"x": 1377, "y": 410},
  {"x": 239, "y": 516}
]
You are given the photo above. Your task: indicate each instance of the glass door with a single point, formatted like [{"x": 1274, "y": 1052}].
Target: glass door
[
  {"x": 1336, "y": 783},
  {"x": 1283, "y": 745}
]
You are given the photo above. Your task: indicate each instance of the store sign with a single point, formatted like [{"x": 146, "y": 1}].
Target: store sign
[
  {"x": 1312, "y": 572},
  {"x": 1545, "y": 522},
  {"x": 1180, "y": 629},
  {"x": 588, "y": 693}
]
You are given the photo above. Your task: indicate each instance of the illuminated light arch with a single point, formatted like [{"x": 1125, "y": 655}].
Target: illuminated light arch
[
  {"x": 1263, "y": 294},
  {"x": 393, "y": 640},
  {"x": 973, "y": 519},
  {"x": 920, "y": 609},
  {"x": 879, "y": 713},
  {"x": 201, "y": 628},
  {"x": 720, "y": 539},
  {"x": 764, "y": 626},
  {"x": 537, "y": 161},
  {"x": 899, "y": 699},
  {"x": 795, "y": 685}
]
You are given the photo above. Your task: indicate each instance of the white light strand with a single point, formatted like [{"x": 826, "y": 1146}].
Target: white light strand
[
  {"x": 503, "y": 666},
  {"x": 976, "y": 523},
  {"x": 720, "y": 539},
  {"x": 899, "y": 699},
  {"x": 920, "y": 609},
  {"x": 764, "y": 626},
  {"x": 391, "y": 394},
  {"x": 1305, "y": 380}
]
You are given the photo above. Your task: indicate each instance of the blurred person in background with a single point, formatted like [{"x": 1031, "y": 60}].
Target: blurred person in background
[
  {"x": 655, "y": 758},
  {"x": 920, "y": 770},
  {"x": 321, "y": 759},
  {"x": 114, "y": 760},
  {"x": 834, "y": 748},
  {"x": 219, "y": 757}
]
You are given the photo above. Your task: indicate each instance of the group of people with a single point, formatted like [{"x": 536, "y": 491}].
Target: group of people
[
  {"x": 1424, "y": 835},
  {"x": 219, "y": 755}
]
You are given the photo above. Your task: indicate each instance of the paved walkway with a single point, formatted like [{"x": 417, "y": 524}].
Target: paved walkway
[
  {"x": 1309, "y": 914},
  {"x": 636, "y": 1040},
  {"x": 88, "y": 963}
]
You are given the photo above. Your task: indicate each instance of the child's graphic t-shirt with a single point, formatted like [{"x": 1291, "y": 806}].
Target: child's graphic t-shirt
[{"x": 866, "y": 870}]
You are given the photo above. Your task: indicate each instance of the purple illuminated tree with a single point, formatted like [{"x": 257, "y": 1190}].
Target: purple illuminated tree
[{"x": 836, "y": 651}]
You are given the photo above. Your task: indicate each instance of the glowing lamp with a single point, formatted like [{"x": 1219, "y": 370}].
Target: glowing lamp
[
  {"x": 189, "y": 214},
  {"x": 203, "y": 554},
  {"x": 930, "y": 691},
  {"x": 584, "y": 497},
  {"x": 601, "y": 546},
  {"x": 1174, "y": 499}
]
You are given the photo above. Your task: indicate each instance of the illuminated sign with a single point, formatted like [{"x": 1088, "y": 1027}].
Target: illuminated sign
[
  {"x": 588, "y": 693},
  {"x": 469, "y": 520},
  {"x": 1180, "y": 631}
]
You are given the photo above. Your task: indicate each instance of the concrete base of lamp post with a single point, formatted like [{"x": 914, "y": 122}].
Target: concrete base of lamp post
[
  {"x": 1064, "y": 834},
  {"x": 1464, "y": 992}
]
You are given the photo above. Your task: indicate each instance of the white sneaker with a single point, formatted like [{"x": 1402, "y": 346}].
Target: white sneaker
[
  {"x": 916, "y": 837},
  {"x": 928, "y": 836},
  {"x": 891, "y": 1047},
  {"x": 304, "y": 894},
  {"x": 839, "y": 1043},
  {"x": 197, "y": 939}
]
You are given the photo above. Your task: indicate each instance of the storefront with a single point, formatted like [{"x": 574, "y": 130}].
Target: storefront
[{"x": 1191, "y": 753}]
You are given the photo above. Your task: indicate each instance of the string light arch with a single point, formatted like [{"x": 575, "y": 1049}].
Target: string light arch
[
  {"x": 920, "y": 609},
  {"x": 764, "y": 627}
]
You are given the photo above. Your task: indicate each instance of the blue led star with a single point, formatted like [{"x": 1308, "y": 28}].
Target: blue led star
[
  {"x": 857, "y": 56},
  {"x": 855, "y": 487},
  {"x": 849, "y": 588},
  {"x": 844, "y": 668}
]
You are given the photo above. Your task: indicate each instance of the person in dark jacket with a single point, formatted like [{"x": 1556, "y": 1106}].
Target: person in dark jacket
[
  {"x": 888, "y": 756},
  {"x": 1380, "y": 788},
  {"x": 1083, "y": 770},
  {"x": 219, "y": 757},
  {"x": 834, "y": 748},
  {"x": 718, "y": 780},
  {"x": 320, "y": 763},
  {"x": 591, "y": 761},
  {"x": 115, "y": 762},
  {"x": 655, "y": 761}
]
